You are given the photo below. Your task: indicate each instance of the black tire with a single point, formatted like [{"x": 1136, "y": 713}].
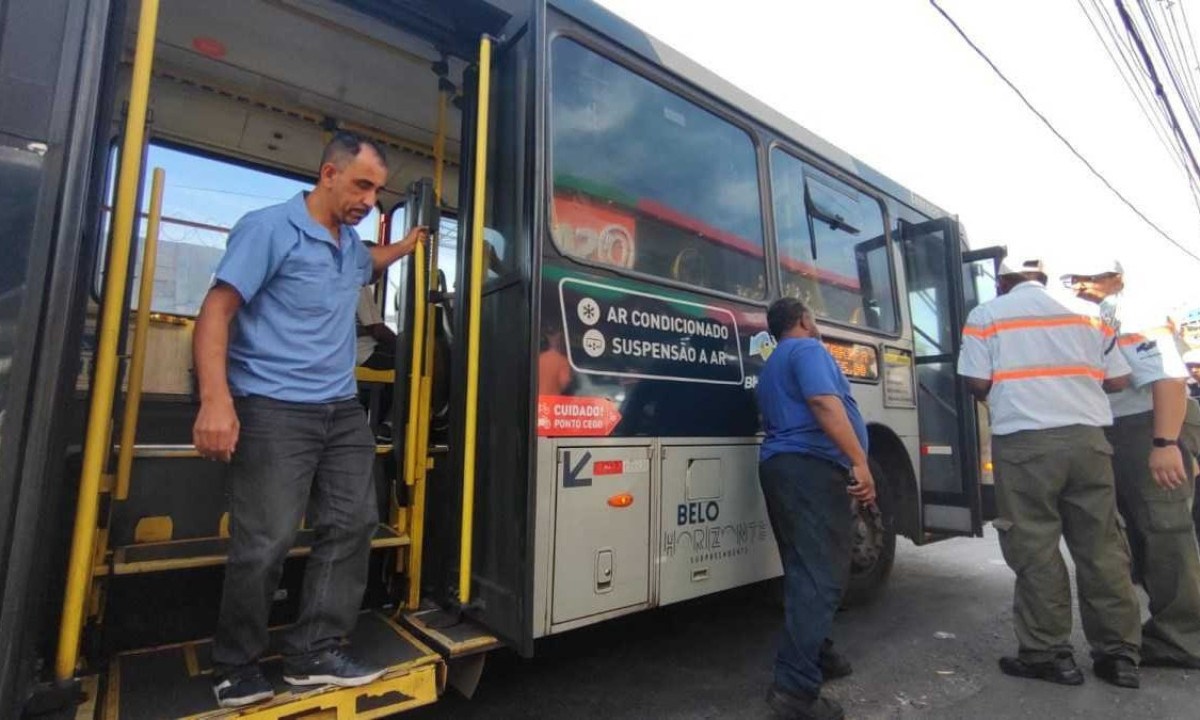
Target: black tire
[{"x": 874, "y": 550}]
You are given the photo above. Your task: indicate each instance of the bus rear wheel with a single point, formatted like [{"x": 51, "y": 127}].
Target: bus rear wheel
[{"x": 873, "y": 548}]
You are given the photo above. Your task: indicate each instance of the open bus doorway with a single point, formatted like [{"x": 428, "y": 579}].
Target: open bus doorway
[{"x": 237, "y": 116}]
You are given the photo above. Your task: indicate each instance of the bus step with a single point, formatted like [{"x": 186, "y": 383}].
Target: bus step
[
  {"x": 209, "y": 551},
  {"x": 175, "y": 681},
  {"x": 453, "y": 636},
  {"x": 177, "y": 452}
]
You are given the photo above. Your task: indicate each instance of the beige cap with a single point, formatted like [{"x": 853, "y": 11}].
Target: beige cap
[
  {"x": 1091, "y": 267},
  {"x": 1032, "y": 266}
]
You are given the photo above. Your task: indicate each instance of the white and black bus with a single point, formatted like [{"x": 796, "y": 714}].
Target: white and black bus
[{"x": 573, "y": 434}]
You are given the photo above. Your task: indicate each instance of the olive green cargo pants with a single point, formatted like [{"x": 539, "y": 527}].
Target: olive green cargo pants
[
  {"x": 1163, "y": 538},
  {"x": 1052, "y": 484}
]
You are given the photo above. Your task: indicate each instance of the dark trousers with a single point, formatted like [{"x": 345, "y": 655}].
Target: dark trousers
[
  {"x": 809, "y": 508},
  {"x": 287, "y": 454},
  {"x": 380, "y": 359},
  {"x": 1057, "y": 484},
  {"x": 1162, "y": 533}
]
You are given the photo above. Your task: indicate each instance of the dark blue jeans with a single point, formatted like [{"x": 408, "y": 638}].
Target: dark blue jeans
[
  {"x": 809, "y": 507},
  {"x": 287, "y": 454}
]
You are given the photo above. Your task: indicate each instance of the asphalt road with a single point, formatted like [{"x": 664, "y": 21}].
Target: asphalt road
[{"x": 927, "y": 648}]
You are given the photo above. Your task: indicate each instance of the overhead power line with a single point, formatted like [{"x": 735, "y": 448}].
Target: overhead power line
[
  {"x": 1131, "y": 28},
  {"x": 1137, "y": 80},
  {"x": 1184, "y": 63},
  {"x": 1132, "y": 77},
  {"x": 1049, "y": 125},
  {"x": 1164, "y": 52},
  {"x": 1187, "y": 26}
]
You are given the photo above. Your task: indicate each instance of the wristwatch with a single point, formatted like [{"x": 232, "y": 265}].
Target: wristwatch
[{"x": 1164, "y": 442}]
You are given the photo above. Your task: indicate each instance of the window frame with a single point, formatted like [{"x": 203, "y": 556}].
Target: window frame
[
  {"x": 112, "y": 166},
  {"x": 679, "y": 87},
  {"x": 821, "y": 165},
  {"x": 446, "y": 211}
]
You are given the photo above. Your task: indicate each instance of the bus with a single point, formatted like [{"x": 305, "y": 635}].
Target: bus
[{"x": 572, "y": 433}]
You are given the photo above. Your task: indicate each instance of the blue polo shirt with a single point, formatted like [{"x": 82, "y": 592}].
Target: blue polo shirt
[
  {"x": 293, "y": 337},
  {"x": 800, "y": 368}
]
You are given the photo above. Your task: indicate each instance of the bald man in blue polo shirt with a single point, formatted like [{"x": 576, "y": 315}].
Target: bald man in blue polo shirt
[{"x": 274, "y": 351}]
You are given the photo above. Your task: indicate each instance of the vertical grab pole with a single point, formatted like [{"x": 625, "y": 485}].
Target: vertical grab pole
[
  {"x": 413, "y": 454},
  {"x": 137, "y": 362},
  {"x": 473, "y": 308},
  {"x": 96, "y": 450},
  {"x": 419, "y": 405}
]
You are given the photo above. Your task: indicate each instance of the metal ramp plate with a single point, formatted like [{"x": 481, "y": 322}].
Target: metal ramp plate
[
  {"x": 452, "y": 636},
  {"x": 175, "y": 681}
]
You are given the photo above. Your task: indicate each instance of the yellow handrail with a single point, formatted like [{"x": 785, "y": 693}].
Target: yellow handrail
[
  {"x": 137, "y": 362},
  {"x": 422, "y": 400},
  {"x": 96, "y": 445},
  {"x": 474, "y": 305},
  {"x": 413, "y": 454}
]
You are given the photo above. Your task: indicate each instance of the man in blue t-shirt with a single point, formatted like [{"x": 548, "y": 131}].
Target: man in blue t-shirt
[
  {"x": 813, "y": 461},
  {"x": 274, "y": 351}
]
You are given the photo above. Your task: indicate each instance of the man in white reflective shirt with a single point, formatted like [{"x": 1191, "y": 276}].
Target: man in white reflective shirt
[
  {"x": 1154, "y": 438},
  {"x": 1039, "y": 362}
]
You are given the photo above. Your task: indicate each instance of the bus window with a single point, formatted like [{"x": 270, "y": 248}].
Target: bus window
[
  {"x": 833, "y": 252},
  {"x": 203, "y": 198},
  {"x": 647, "y": 181},
  {"x": 447, "y": 258}
]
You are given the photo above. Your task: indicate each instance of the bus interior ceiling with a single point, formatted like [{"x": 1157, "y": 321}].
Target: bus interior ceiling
[{"x": 263, "y": 80}]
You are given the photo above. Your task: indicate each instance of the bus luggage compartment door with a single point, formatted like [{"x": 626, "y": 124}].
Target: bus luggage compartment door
[
  {"x": 715, "y": 530},
  {"x": 602, "y": 535}
]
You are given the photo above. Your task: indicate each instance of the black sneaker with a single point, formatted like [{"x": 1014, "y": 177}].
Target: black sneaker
[
  {"x": 329, "y": 667},
  {"x": 1061, "y": 670},
  {"x": 790, "y": 706},
  {"x": 833, "y": 664},
  {"x": 241, "y": 687},
  {"x": 1117, "y": 670}
]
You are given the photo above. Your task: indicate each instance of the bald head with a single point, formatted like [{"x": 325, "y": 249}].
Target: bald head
[{"x": 345, "y": 146}]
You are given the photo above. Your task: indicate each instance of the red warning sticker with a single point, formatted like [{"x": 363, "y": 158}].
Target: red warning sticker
[
  {"x": 608, "y": 467},
  {"x": 566, "y": 416}
]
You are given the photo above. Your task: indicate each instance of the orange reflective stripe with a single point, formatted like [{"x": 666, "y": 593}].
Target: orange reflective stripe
[
  {"x": 1048, "y": 371},
  {"x": 1138, "y": 338},
  {"x": 1037, "y": 323}
]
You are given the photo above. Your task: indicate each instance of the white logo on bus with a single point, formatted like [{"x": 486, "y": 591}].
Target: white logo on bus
[
  {"x": 589, "y": 311},
  {"x": 593, "y": 343}
]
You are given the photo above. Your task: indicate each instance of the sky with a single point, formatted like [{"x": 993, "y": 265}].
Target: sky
[{"x": 892, "y": 83}]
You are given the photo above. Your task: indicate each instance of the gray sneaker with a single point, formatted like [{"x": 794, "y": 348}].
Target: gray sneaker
[
  {"x": 791, "y": 706},
  {"x": 329, "y": 667}
]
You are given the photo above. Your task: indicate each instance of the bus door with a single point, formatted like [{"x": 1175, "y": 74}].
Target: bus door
[
  {"x": 938, "y": 297},
  {"x": 472, "y": 515}
]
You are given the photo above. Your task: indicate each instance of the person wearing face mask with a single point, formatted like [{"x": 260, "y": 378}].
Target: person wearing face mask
[
  {"x": 274, "y": 354},
  {"x": 1154, "y": 438}
]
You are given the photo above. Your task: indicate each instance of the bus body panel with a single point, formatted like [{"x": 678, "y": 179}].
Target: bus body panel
[
  {"x": 619, "y": 431},
  {"x": 56, "y": 57}
]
